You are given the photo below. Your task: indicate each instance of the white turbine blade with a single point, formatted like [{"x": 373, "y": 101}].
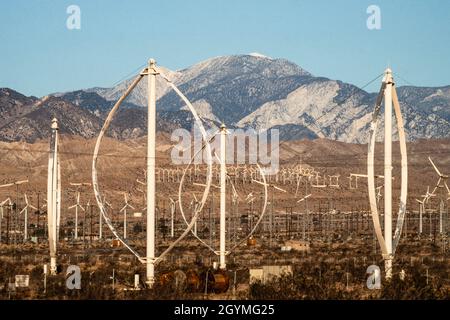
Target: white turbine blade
[
  {"x": 131, "y": 206},
  {"x": 218, "y": 159},
  {"x": 278, "y": 188},
  {"x": 298, "y": 185},
  {"x": 305, "y": 197},
  {"x": 199, "y": 184},
  {"x": 435, "y": 168},
  {"x": 261, "y": 183},
  {"x": 421, "y": 202},
  {"x": 6, "y": 185},
  {"x": 32, "y": 207},
  {"x": 81, "y": 207},
  {"x": 124, "y": 207},
  {"x": 446, "y": 186},
  {"x": 138, "y": 181},
  {"x": 71, "y": 207}
]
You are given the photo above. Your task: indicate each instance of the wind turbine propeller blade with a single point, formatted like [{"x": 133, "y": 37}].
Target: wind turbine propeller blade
[
  {"x": 71, "y": 207},
  {"x": 434, "y": 166},
  {"x": 261, "y": 183},
  {"x": 305, "y": 197},
  {"x": 139, "y": 181},
  {"x": 131, "y": 207},
  {"x": 446, "y": 186},
  {"x": 81, "y": 207},
  {"x": 421, "y": 202},
  {"x": 32, "y": 207},
  {"x": 278, "y": 188},
  {"x": 199, "y": 184},
  {"x": 124, "y": 207},
  {"x": 195, "y": 197}
]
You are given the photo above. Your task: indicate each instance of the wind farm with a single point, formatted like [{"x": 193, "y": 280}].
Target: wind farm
[{"x": 220, "y": 229}]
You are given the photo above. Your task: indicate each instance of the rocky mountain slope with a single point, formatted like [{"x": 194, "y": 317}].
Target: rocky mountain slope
[{"x": 244, "y": 91}]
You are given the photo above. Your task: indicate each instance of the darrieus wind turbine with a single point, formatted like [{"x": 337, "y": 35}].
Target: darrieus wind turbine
[
  {"x": 387, "y": 243},
  {"x": 150, "y": 260}
]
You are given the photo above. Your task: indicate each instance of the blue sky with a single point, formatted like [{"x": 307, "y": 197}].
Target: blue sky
[{"x": 39, "y": 55}]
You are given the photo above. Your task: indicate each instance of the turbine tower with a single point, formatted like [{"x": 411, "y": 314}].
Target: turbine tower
[
  {"x": 223, "y": 177},
  {"x": 53, "y": 195},
  {"x": 151, "y": 162},
  {"x": 388, "y": 171}
]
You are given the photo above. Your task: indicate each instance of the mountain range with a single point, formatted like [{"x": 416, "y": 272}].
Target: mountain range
[{"x": 243, "y": 91}]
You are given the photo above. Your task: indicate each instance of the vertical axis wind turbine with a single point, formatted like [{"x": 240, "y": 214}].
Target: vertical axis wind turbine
[
  {"x": 150, "y": 260},
  {"x": 53, "y": 195},
  {"x": 387, "y": 243}
]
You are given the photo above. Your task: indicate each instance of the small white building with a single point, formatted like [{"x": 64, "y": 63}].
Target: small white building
[{"x": 267, "y": 273}]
